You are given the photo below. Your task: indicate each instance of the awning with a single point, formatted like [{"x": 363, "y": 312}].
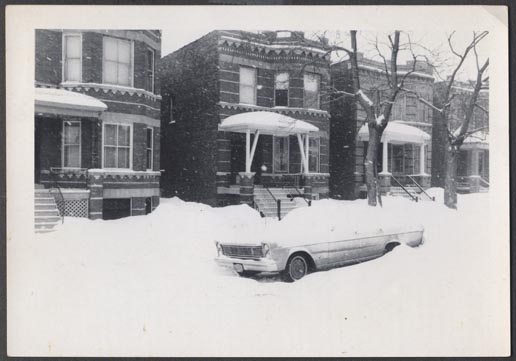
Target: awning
[
  {"x": 397, "y": 132},
  {"x": 266, "y": 123},
  {"x": 479, "y": 140},
  {"x": 63, "y": 102}
]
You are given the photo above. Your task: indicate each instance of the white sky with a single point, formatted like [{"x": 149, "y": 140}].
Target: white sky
[{"x": 435, "y": 42}]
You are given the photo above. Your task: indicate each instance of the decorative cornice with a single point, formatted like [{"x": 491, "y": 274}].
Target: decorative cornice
[
  {"x": 115, "y": 89},
  {"x": 281, "y": 110}
]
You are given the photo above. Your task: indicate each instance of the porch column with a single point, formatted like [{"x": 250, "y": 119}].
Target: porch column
[
  {"x": 96, "y": 188},
  {"x": 385, "y": 157},
  {"x": 247, "y": 151},
  {"x": 307, "y": 153},
  {"x": 422, "y": 159},
  {"x": 474, "y": 178}
]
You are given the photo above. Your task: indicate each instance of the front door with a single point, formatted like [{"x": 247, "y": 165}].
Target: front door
[{"x": 37, "y": 147}]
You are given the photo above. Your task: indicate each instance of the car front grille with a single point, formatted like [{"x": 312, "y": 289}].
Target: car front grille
[{"x": 252, "y": 252}]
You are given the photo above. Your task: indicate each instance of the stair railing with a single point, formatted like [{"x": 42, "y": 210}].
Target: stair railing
[
  {"x": 278, "y": 203},
  {"x": 405, "y": 189},
  {"x": 301, "y": 195},
  {"x": 55, "y": 184},
  {"x": 421, "y": 188},
  {"x": 484, "y": 182}
]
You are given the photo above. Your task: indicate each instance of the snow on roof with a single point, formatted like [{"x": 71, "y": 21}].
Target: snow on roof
[
  {"x": 480, "y": 138},
  {"x": 60, "y": 98},
  {"x": 266, "y": 123},
  {"x": 397, "y": 132}
]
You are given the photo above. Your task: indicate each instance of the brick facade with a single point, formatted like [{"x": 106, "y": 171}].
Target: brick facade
[
  {"x": 136, "y": 106},
  {"x": 202, "y": 80}
]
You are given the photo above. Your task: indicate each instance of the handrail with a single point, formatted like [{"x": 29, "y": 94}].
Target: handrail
[
  {"x": 278, "y": 203},
  {"x": 421, "y": 188},
  {"x": 309, "y": 202},
  {"x": 402, "y": 187},
  {"x": 482, "y": 180},
  {"x": 56, "y": 185}
]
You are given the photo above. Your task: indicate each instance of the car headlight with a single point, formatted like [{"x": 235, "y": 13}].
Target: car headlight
[
  {"x": 219, "y": 248},
  {"x": 266, "y": 249}
]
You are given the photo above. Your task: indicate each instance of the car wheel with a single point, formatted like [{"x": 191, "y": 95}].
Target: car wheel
[{"x": 297, "y": 268}]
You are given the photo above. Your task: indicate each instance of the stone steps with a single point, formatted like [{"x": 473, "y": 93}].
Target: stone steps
[
  {"x": 267, "y": 205},
  {"x": 46, "y": 213}
]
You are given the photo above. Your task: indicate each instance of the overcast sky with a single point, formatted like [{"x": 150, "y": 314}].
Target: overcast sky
[{"x": 434, "y": 42}]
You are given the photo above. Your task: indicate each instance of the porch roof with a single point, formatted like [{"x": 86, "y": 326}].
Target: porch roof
[
  {"x": 478, "y": 140},
  {"x": 397, "y": 132},
  {"x": 267, "y": 123},
  {"x": 65, "y": 102}
]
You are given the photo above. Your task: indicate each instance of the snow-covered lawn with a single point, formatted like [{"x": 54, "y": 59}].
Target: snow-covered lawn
[{"x": 148, "y": 286}]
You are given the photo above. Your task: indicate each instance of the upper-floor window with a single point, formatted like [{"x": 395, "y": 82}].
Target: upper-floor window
[
  {"x": 149, "y": 147},
  {"x": 399, "y": 108},
  {"x": 311, "y": 85},
  {"x": 71, "y": 151},
  {"x": 117, "y": 61},
  {"x": 149, "y": 70},
  {"x": 281, "y": 82},
  {"x": 72, "y": 57},
  {"x": 247, "y": 85},
  {"x": 117, "y": 146}
]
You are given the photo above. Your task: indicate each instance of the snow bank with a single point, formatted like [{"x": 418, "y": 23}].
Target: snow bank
[{"x": 148, "y": 286}]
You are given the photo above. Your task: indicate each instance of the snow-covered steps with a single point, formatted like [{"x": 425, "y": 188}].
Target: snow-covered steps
[
  {"x": 46, "y": 213},
  {"x": 265, "y": 200},
  {"x": 414, "y": 191}
]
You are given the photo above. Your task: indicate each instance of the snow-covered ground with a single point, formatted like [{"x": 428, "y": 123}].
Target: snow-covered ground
[{"x": 148, "y": 286}]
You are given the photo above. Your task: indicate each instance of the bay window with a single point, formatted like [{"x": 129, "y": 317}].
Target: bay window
[
  {"x": 247, "y": 85},
  {"x": 117, "y": 62},
  {"x": 72, "y": 57},
  {"x": 71, "y": 151},
  {"x": 117, "y": 146}
]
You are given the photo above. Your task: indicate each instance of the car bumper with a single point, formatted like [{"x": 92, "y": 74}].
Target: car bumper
[{"x": 260, "y": 265}]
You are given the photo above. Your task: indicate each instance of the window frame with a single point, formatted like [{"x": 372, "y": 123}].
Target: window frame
[
  {"x": 318, "y": 168},
  {"x": 151, "y": 149},
  {"x": 288, "y": 88},
  {"x": 318, "y": 76},
  {"x": 63, "y": 144},
  {"x": 131, "y": 58},
  {"x": 117, "y": 146},
  {"x": 153, "y": 70},
  {"x": 274, "y": 152},
  {"x": 64, "y": 57},
  {"x": 255, "y": 85}
]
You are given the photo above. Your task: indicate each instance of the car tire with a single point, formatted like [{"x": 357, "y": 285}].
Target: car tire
[{"x": 297, "y": 268}]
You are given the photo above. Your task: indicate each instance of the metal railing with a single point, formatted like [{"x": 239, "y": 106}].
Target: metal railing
[
  {"x": 484, "y": 182},
  {"x": 421, "y": 188},
  {"x": 405, "y": 189},
  {"x": 55, "y": 184},
  {"x": 278, "y": 203},
  {"x": 300, "y": 195}
]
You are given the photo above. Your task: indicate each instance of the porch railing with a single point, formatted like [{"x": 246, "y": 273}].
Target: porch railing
[
  {"x": 421, "y": 188},
  {"x": 61, "y": 202},
  {"x": 405, "y": 189},
  {"x": 484, "y": 182}
]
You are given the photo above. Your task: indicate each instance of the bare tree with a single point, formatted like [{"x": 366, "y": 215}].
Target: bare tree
[
  {"x": 442, "y": 109},
  {"x": 378, "y": 110}
]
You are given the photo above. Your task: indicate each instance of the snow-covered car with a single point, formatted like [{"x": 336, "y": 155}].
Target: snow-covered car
[{"x": 294, "y": 259}]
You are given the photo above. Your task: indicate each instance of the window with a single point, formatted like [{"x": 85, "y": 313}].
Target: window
[
  {"x": 281, "y": 82},
  {"x": 311, "y": 86},
  {"x": 117, "y": 62},
  {"x": 71, "y": 144},
  {"x": 72, "y": 57},
  {"x": 117, "y": 146},
  {"x": 314, "y": 154},
  {"x": 171, "y": 110},
  {"x": 149, "y": 146},
  {"x": 247, "y": 85},
  {"x": 149, "y": 70},
  {"x": 398, "y": 109},
  {"x": 416, "y": 156},
  {"x": 397, "y": 158},
  {"x": 280, "y": 152}
]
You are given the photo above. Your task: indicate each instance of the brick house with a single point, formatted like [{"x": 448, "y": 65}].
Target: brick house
[
  {"x": 473, "y": 160},
  {"x": 245, "y": 115},
  {"x": 97, "y": 128},
  {"x": 406, "y": 150}
]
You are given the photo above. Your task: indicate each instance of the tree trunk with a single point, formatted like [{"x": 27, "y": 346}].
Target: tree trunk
[
  {"x": 370, "y": 166},
  {"x": 450, "y": 181}
]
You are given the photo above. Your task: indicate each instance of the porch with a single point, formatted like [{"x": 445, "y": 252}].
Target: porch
[
  {"x": 473, "y": 164},
  {"x": 270, "y": 151}
]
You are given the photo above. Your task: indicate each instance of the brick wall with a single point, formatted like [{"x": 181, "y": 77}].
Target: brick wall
[
  {"x": 190, "y": 78},
  {"x": 48, "y": 52}
]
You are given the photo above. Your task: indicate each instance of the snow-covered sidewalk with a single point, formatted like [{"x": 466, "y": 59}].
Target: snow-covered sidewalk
[{"x": 148, "y": 286}]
